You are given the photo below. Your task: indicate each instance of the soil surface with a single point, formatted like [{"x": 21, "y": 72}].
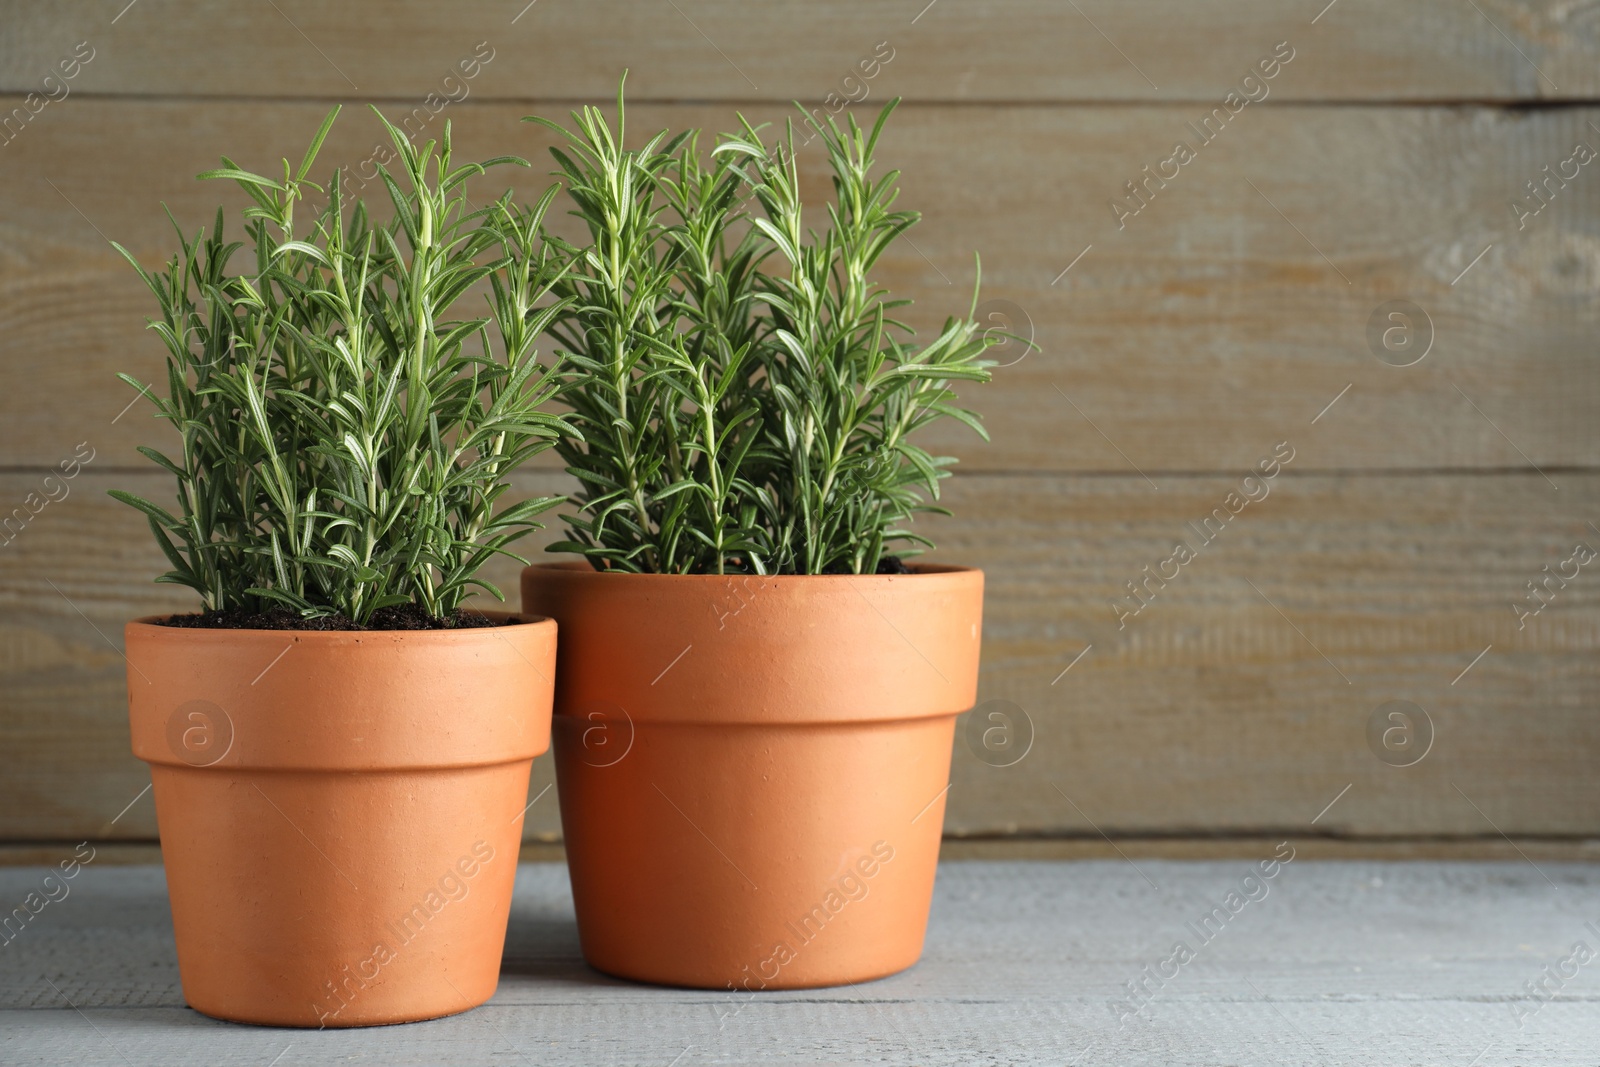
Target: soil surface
[
  {"x": 398, "y": 617},
  {"x": 886, "y": 565}
]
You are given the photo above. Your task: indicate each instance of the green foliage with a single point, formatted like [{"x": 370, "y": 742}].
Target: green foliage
[
  {"x": 847, "y": 388},
  {"x": 344, "y": 439},
  {"x": 734, "y": 418}
]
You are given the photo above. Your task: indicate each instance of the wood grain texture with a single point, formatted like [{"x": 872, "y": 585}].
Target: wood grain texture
[
  {"x": 1030, "y": 50},
  {"x": 1090, "y": 845},
  {"x": 1083, "y": 846},
  {"x": 1396, "y": 964},
  {"x": 1222, "y": 697},
  {"x": 1213, "y": 709},
  {"x": 1231, "y": 312},
  {"x": 1209, "y": 324}
]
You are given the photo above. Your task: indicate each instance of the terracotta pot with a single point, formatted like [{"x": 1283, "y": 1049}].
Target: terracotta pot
[
  {"x": 339, "y": 811},
  {"x": 752, "y": 770}
]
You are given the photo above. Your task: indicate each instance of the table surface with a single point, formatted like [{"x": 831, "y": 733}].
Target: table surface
[{"x": 1363, "y": 963}]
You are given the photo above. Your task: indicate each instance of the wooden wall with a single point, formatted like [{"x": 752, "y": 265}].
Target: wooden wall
[{"x": 1185, "y": 342}]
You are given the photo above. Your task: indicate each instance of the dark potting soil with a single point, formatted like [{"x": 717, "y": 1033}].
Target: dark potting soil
[
  {"x": 398, "y": 617},
  {"x": 886, "y": 565}
]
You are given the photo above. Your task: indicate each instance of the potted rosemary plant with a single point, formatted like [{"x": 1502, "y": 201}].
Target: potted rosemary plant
[
  {"x": 756, "y": 696},
  {"x": 339, "y": 749}
]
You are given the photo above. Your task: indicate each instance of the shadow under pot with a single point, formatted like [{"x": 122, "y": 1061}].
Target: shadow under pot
[
  {"x": 339, "y": 811},
  {"x": 752, "y": 769}
]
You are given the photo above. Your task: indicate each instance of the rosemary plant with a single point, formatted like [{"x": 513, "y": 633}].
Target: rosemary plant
[
  {"x": 345, "y": 432},
  {"x": 846, "y": 389},
  {"x": 732, "y": 419},
  {"x": 659, "y": 326}
]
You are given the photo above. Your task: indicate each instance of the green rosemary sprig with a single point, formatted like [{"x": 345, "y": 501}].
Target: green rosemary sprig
[
  {"x": 735, "y": 418},
  {"x": 846, "y": 388},
  {"x": 344, "y": 440}
]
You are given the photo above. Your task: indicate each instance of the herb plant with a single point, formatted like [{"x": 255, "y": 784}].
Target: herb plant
[
  {"x": 659, "y": 322},
  {"x": 846, "y": 389},
  {"x": 734, "y": 418},
  {"x": 345, "y": 432}
]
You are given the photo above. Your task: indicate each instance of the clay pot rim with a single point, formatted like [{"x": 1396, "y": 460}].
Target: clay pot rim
[
  {"x": 854, "y": 649},
  {"x": 151, "y": 625},
  {"x": 378, "y": 701},
  {"x": 583, "y": 568}
]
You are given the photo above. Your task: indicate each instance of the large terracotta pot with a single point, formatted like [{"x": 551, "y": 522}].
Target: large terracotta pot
[
  {"x": 752, "y": 770},
  {"x": 339, "y": 811}
]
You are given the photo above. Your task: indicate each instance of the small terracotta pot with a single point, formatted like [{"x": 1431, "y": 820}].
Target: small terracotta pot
[
  {"x": 339, "y": 811},
  {"x": 752, "y": 770}
]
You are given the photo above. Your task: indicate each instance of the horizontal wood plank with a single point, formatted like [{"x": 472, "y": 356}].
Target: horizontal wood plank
[
  {"x": 1247, "y": 683},
  {"x": 1404, "y": 964},
  {"x": 1012, "y": 50},
  {"x": 1062, "y": 847},
  {"x": 1232, "y": 310},
  {"x": 1221, "y": 707}
]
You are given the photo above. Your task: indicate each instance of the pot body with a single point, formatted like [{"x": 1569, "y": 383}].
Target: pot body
[
  {"x": 753, "y": 769},
  {"x": 339, "y": 811}
]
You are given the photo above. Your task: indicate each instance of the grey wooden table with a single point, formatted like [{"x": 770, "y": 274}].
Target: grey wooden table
[{"x": 1027, "y": 963}]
